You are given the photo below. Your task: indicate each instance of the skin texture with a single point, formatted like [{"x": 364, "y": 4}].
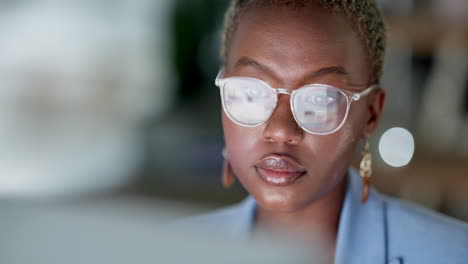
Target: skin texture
[{"x": 289, "y": 48}]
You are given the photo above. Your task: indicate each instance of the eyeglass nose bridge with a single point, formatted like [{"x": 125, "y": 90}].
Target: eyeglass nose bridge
[{"x": 283, "y": 91}]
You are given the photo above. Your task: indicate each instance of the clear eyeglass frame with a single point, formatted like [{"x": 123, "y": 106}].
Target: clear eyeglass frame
[{"x": 350, "y": 97}]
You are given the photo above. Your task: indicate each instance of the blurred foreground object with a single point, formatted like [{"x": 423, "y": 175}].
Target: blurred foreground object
[
  {"x": 122, "y": 231},
  {"x": 77, "y": 81}
]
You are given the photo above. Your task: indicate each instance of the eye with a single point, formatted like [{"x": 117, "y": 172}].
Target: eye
[
  {"x": 321, "y": 99},
  {"x": 252, "y": 92},
  {"x": 245, "y": 91}
]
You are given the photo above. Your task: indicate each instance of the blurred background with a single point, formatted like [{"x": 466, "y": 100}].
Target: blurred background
[{"x": 112, "y": 104}]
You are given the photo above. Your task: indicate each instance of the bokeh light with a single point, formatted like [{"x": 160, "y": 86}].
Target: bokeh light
[{"x": 396, "y": 147}]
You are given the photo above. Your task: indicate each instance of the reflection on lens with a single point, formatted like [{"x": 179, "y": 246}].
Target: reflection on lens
[
  {"x": 247, "y": 101},
  {"x": 320, "y": 108}
]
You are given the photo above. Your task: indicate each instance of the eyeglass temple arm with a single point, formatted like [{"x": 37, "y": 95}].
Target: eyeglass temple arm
[
  {"x": 218, "y": 77},
  {"x": 366, "y": 92}
]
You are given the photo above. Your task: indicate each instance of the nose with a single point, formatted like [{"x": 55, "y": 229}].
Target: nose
[{"x": 282, "y": 127}]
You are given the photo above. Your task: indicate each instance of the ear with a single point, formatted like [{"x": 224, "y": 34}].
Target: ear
[{"x": 376, "y": 102}]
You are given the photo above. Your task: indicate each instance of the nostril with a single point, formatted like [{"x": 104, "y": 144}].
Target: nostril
[{"x": 293, "y": 141}]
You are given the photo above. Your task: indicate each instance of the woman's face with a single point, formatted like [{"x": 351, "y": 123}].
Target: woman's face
[{"x": 281, "y": 165}]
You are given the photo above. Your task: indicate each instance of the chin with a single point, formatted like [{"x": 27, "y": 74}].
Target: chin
[{"x": 283, "y": 201}]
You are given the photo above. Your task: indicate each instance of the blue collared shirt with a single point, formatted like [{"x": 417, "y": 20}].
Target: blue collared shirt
[{"x": 383, "y": 230}]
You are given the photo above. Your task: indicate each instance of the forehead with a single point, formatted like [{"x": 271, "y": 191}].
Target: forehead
[{"x": 293, "y": 41}]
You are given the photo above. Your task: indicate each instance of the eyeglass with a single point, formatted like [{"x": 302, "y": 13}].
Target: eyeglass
[{"x": 319, "y": 109}]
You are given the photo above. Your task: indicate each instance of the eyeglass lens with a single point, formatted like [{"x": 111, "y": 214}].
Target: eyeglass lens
[{"x": 317, "y": 108}]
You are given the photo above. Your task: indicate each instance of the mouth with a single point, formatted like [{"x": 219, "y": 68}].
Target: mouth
[{"x": 279, "y": 170}]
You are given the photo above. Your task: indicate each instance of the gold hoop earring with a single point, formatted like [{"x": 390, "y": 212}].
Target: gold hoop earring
[
  {"x": 228, "y": 175},
  {"x": 365, "y": 170}
]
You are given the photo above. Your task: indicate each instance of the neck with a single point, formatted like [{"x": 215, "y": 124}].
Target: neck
[{"x": 315, "y": 224}]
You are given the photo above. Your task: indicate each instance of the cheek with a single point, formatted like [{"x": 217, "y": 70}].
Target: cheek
[
  {"x": 346, "y": 139},
  {"x": 333, "y": 153},
  {"x": 240, "y": 141},
  {"x": 357, "y": 119}
]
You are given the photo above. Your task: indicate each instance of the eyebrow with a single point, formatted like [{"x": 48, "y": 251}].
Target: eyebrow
[
  {"x": 339, "y": 70},
  {"x": 244, "y": 61}
]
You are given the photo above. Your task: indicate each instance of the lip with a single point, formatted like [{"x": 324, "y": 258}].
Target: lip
[{"x": 279, "y": 170}]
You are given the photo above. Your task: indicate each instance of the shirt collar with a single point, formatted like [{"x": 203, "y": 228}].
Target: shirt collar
[
  {"x": 361, "y": 232},
  {"x": 245, "y": 219}
]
